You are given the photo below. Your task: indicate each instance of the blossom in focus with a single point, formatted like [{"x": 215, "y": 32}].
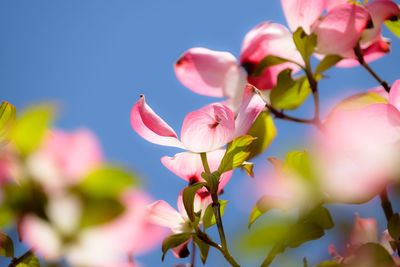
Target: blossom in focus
[
  {"x": 189, "y": 167},
  {"x": 220, "y": 74},
  {"x": 64, "y": 158},
  {"x": 162, "y": 214},
  {"x": 203, "y": 130},
  {"x": 357, "y": 153},
  {"x": 104, "y": 245}
]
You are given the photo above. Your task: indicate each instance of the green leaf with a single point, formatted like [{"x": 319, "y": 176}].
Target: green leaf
[
  {"x": 320, "y": 216},
  {"x": 394, "y": 226},
  {"x": 299, "y": 162},
  {"x": 7, "y": 118},
  {"x": 327, "y": 62},
  {"x": 305, "y": 44},
  {"x": 236, "y": 153},
  {"x": 266, "y": 62},
  {"x": 97, "y": 211},
  {"x": 265, "y": 131},
  {"x": 209, "y": 218},
  {"x": 394, "y": 27},
  {"x": 263, "y": 205},
  {"x": 248, "y": 168},
  {"x": 107, "y": 181},
  {"x": 371, "y": 255},
  {"x": 289, "y": 93},
  {"x": 188, "y": 196},
  {"x": 302, "y": 232},
  {"x": 328, "y": 264},
  {"x": 173, "y": 241},
  {"x": 6, "y": 246},
  {"x": 203, "y": 247},
  {"x": 30, "y": 261},
  {"x": 30, "y": 128}
]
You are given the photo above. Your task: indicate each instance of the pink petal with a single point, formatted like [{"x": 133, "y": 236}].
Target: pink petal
[
  {"x": 251, "y": 107},
  {"x": 151, "y": 127},
  {"x": 161, "y": 213},
  {"x": 203, "y": 70},
  {"x": 380, "y": 10},
  {"x": 372, "y": 52},
  {"x": 330, "y": 4},
  {"x": 263, "y": 40},
  {"x": 302, "y": 13},
  {"x": 181, "y": 250},
  {"x": 339, "y": 32},
  {"x": 365, "y": 230},
  {"x": 394, "y": 94},
  {"x": 208, "y": 128},
  {"x": 189, "y": 167}
]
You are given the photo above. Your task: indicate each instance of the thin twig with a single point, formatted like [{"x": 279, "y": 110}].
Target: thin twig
[
  {"x": 193, "y": 260},
  {"x": 15, "y": 261},
  {"x": 361, "y": 60}
]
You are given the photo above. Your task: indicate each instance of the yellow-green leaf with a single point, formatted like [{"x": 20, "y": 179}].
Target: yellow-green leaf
[
  {"x": 7, "y": 118},
  {"x": 265, "y": 131}
]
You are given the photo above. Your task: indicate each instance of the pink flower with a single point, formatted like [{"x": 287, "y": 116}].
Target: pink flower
[
  {"x": 162, "y": 214},
  {"x": 203, "y": 130},
  {"x": 189, "y": 167},
  {"x": 104, "y": 245},
  {"x": 220, "y": 74},
  {"x": 64, "y": 158},
  {"x": 365, "y": 230},
  {"x": 344, "y": 25},
  {"x": 357, "y": 153}
]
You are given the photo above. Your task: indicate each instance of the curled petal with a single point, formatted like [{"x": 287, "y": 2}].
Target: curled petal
[
  {"x": 161, "y": 213},
  {"x": 302, "y": 13},
  {"x": 150, "y": 126},
  {"x": 251, "y": 107},
  {"x": 208, "y": 128},
  {"x": 181, "y": 251},
  {"x": 380, "y": 10},
  {"x": 203, "y": 70},
  {"x": 189, "y": 167},
  {"x": 339, "y": 32},
  {"x": 263, "y": 40},
  {"x": 394, "y": 94}
]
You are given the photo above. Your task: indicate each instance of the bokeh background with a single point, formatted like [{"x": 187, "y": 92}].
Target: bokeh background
[{"x": 94, "y": 57}]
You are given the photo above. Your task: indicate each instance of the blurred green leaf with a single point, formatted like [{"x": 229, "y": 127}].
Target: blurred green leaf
[
  {"x": 265, "y": 131},
  {"x": 328, "y": 264},
  {"x": 31, "y": 126},
  {"x": 236, "y": 153},
  {"x": 6, "y": 246},
  {"x": 173, "y": 241},
  {"x": 30, "y": 261},
  {"x": 209, "y": 218},
  {"x": 188, "y": 196},
  {"x": 289, "y": 93},
  {"x": 394, "y": 27},
  {"x": 371, "y": 255},
  {"x": 263, "y": 205},
  {"x": 305, "y": 43},
  {"x": 320, "y": 216},
  {"x": 7, "y": 118},
  {"x": 203, "y": 247},
  {"x": 327, "y": 62},
  {"x": 97, "y": 211},
  {"x": 267, "y": 62},
  {"x": 302, "y": 232},
  {"x": 394, "y": 226},
  {"x": 299, "y": 162},
  {"x": 107, "y": 181}
]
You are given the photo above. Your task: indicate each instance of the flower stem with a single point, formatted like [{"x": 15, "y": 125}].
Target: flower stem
[
  {"x": 15, "y": 261},
  {"x": 386, "y": 204},
  {"x": 361, "y": 60},
  {"x": 218, "y": 218},
  {"x": 193, "y": 260}
]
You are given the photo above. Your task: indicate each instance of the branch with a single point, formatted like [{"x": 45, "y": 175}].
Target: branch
[
  {"x": 361, "y": 60},
  {"x": 15, "y": 261}
]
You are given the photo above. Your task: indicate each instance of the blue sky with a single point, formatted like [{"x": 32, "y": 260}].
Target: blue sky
[{"x": 95, "y": 57}]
